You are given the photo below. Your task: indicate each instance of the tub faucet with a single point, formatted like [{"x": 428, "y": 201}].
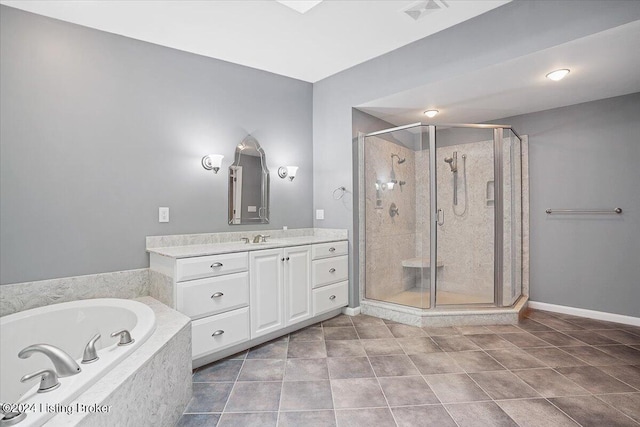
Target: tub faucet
[
  {"x": 63, "y": 363},
  {"x": 90, "y": 354}
]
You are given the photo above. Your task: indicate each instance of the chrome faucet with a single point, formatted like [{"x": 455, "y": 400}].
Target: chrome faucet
[
  {"x": 125, "y": 337},
  {"x": 90, "y": 354},
  {"x": 260, "y": 238},
  {"x": 63, "y": 363},
  {"x": 48, "y": 380}
]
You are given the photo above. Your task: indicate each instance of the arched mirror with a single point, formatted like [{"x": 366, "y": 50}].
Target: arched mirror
[{"x": 249, "y": 185}]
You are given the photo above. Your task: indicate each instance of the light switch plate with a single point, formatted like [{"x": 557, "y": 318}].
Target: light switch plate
[
  {"x": 163, "y": 214},
  {"x": 319, "y": 213}
]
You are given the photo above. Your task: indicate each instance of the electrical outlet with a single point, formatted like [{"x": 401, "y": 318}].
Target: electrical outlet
[
  {"x": 163, "y": 214},
  {"x": 319, "y": 213}
]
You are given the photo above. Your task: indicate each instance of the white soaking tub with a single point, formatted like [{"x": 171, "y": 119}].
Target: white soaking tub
[{"x": 68, "y": 326}]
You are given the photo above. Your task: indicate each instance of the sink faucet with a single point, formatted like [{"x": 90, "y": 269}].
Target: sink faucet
[
  {"x": 260, "y": 238},
  {"x": 63, "y": 363}
]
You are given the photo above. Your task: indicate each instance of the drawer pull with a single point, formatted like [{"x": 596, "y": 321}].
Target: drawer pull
[
  {"x": 217, "y": 295},
  {"x": 332, "y": 297},
  {"x": 216, "y": 264},
  {"x": 332, "y": 249},
  {"x": 333, "y": 270},
  {"x": 217, "y": 333}
]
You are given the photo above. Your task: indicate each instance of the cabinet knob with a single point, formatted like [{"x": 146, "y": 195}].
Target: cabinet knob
[
  {"x": 217, "y": 295},
  {"x": 216, "y": 264},
  {"x": 282, "y": 259},
  {"x": 217, "y": 333},
  {"x": 332, "y": 249},
  {"x": 287, "y": 258},
  {"x": 333, "y": 270},
  {"x": 332, "y": 297}
]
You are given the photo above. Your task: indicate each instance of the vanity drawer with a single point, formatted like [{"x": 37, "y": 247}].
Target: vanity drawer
[
  {"x": 326, "y": 250},
  {"x": 330, "y": 297},
  {"x": 209, "y": 266},
  {"x": 205, "y": 297},
  {"x": 329, "y": 270},
  {"x": 230, "y": 328}
]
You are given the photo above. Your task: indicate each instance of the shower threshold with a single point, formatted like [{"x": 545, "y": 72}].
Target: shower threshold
[{"x": 445, "y": 316}]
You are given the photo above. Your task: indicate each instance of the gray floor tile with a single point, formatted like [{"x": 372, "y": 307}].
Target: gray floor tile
[
  {"x": 587, "y": 323},
  {"x": 524, "y": 339},
  {"x": 504, "y": 329},
  {"x": 307, "y": 419},
  {"x": 593, "y": 356},
  {"x": 591, "y": 412},
  {"x": 480, "y": 414},
  {"x": 271, "y": 350},
  {"x": 560, "y": 324},
  {"x": 623, "y": 352},
  {"x": 429, "y": 415},
  {"x": 259, "y": 419},
  {"x": 476, "y": 361},
  {"x": 550, "y": 383},
  {"x": 306, "y": 349},
  {"x": 441, "y": 331},
  {"x": 455, "y": 388},
  {"x": 307, "y": 334},
  {"x": 403, "y": 391},
  {"x": 373, "y": 332},
  {"x": 455, "y": 343},
  {"x": 344, "y": 348},
  {"x": 417, "y": 345},
  {"x": 490, "y": 341},
  {"x": 395, "y": 365},
  {"x": 515, "y": 358},
  {"x": 626, "y": 373},
  {"x": 382, "y": 347},
  {"x": 262, "y": 370},
  {"x": 225, "y": 370},
  {"x": 620, "y": 336},
  {"x": 594, "y": 380},
  {"x": 349, "y": 367},
  {"x": 554, "y": 357},
  {"x": 590, "y": 337},
  {"x": 400, "y": 331},
  {"x": 357, "y": 393},
  {"x": 435, "y": 363},
  {"x": 378, "y": 417},
  {"x": 535, "y": 413},
  {"x": 340, "y": 320},
  {"x": 364, "y": 320},
  {"x": 503, "y": 385},
  {"x": 628, "y": 404},
  {"x": 254, "y": 396},
  {"x": 559, "y": 339},
  {"x": 473, "y": 330},
  {"x": 209, "y": 397},
  {"x": 303, "y": 395},
  {"x": 198, "y": 420},
  {"x": 306, "y": 370},
  {"x": 532, "y": 325},
  {"x": 340, "y": 333}
]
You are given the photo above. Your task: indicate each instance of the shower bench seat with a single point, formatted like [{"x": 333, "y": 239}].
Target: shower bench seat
[{"x": 419, "y": 262}]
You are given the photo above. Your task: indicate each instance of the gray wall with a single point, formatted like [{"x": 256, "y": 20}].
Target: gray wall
[
  {"x": 98, "y": 131},
  {"x": 585, "y": 156},
  {"x": 508, "y": 32}
]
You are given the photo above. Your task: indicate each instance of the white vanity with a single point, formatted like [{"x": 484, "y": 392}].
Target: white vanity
[{"x": 241, "y": 294}]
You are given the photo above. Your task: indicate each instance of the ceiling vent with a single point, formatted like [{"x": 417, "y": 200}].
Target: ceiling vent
[{"x": 422, "y": 8}]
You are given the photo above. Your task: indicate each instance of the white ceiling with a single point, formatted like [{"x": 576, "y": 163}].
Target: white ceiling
[
  {"x": 602, "y": 65},
  {"x": 265, "y": 34}
]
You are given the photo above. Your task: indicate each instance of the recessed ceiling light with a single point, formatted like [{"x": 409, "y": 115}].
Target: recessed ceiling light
[
  {"x": 301, "y": 6},
  {"x": 431, "y": 113},
  {"x": 558, "y": 74}
]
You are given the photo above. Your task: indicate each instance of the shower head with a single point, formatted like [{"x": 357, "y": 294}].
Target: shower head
[{"x": 400, "y": 160}]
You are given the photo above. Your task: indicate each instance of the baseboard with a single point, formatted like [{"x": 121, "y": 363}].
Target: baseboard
[
  {"x": 592, "y": 314},
  {"x": 351, "y": 311}
]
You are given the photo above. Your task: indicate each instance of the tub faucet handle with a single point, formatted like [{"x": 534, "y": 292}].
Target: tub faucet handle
[
  {"x": 90, "y": 354},
  {"x": 125, "y": 337},
  {"x": 48, "y": 380}
]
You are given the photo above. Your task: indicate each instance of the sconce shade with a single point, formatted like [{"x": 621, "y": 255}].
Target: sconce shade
[
  {"x": 287, "y": 171},
  {"x": 212, "y": 162}
]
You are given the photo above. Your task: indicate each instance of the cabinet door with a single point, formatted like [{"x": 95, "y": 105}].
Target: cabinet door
[
  {"x": 267, "y": 291},
  {"x": 297, "y": 284}
]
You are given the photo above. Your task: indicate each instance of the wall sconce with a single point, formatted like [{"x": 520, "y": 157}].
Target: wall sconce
[
  {"x": 287, "y": 171},
  {"x": 212, "y": 162}
]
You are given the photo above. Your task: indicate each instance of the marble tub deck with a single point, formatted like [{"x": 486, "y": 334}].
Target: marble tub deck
[{"x": 546, "y": 370}]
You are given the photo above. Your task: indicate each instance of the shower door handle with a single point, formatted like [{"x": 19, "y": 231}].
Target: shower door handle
[{"x": 438, "y": 220}]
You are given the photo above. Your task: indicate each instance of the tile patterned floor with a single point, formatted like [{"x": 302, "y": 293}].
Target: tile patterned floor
[{"x": 549, "y": 370}]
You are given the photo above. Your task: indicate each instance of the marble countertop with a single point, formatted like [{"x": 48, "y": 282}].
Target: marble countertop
[{"x": 228, "y": 247}]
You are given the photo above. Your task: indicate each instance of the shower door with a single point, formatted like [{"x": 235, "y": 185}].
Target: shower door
[{"x": 465, "y": 215}]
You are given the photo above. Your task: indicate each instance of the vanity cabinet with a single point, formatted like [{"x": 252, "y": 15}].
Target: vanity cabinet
[{"x": 280, "y": 283}]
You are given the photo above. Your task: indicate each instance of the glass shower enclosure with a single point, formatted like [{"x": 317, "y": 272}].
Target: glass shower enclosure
[{"x": 443, "y": 216}]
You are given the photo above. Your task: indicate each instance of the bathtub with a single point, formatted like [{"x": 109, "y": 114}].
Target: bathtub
[{"x": 68, "y": 326}]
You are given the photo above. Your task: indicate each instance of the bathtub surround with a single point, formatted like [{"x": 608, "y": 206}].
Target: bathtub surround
[{"x": 120, "y": 284}]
